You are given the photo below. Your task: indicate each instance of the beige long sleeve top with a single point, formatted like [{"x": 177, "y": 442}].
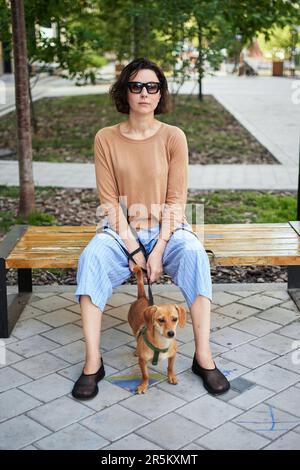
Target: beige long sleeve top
[{"x": 148, "y": 176}]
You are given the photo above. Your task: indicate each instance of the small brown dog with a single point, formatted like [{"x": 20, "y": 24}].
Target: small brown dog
[{"x": 155, "y": 329}]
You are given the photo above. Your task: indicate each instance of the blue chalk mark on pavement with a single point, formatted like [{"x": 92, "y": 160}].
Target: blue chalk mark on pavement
[
  {"x": 131, "y": 382},
  {"x": 271, "y": 422},
  {"x": 228, "y": 372}
]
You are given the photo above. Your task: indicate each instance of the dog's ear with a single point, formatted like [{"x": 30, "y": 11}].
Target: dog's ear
[
  {"x": 181, "y": 315},
  {"x": 149, "y": 315}
]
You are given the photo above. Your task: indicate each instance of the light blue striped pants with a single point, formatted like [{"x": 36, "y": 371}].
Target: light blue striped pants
[{"x": 103, "y": 265}]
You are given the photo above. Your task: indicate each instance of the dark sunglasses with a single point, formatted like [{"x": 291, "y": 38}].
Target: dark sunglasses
[{"x": 136, "y": 87}]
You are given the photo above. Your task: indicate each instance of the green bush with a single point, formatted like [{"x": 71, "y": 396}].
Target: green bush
[{"x": 38, "y": 218}]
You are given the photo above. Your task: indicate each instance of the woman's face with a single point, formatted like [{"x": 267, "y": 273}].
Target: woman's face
[{"x": 144, "y": 102}]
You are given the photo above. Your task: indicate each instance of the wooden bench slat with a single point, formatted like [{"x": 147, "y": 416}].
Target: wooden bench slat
[
  {"x": 45, "y": 263},
  {"x": 92, "y": 227},
  {"x": 287, "y": 233},
  {"x": 49, "y": 239},
  {"x": 30, "y": 243},
  {"x": 291, "y": 234},
  {"x": 49, "y": 260},
  {"x": 219, "y": 227},
  {"x": 255, "y": 260},
  {"x": 248, "y": 235},
  {"x": 68, "y": 241},
  {"x": 250, "y": 252},
  {"x": 62, "y": 228},
  {"x": 228, "y": 259},
  {"x": 247, "y": 226},
  {"x": 256, "y": 242},
  {"x": 216, "y": 244}
]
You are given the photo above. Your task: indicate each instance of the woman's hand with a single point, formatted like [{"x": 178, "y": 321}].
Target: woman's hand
[
  {"x": 155, "y": 265},
  {"x": 141, "y": 261}
]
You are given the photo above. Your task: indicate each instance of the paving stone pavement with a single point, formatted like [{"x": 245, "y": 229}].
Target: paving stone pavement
[{"x": 255, "y": 341}]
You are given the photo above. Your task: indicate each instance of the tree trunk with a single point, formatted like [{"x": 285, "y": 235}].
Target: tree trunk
[{"x": 27, "y": 199}]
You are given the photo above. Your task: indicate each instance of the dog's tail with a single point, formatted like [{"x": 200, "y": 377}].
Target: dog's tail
[{"x": 140, "y": 281}]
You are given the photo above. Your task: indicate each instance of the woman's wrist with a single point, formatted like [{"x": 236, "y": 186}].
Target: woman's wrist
[{"x": 160, "y": 245}]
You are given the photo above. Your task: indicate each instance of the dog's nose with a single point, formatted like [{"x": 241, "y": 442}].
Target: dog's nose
[{"x": 170, "y": 334}]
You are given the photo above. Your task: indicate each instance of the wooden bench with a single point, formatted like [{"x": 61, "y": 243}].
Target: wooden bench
[{"x": 27, "y": 247}]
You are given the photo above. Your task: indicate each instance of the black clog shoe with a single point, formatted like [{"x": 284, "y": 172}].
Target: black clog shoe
[
  {"x": 86, "y": 387},
  {"x": 213, "y": 380}
]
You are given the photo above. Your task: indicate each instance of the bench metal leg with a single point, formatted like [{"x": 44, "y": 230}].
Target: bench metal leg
[
  {"x": 11, "y": 309},
  {"x": 3, "y": 301},
  {"x": 25, "y": 280},
  {"x": 12, "y": 306},
  {"x": 294, "y": 284}
]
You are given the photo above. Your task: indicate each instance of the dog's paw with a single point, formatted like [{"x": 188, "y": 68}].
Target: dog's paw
[
  {"x": 172, "y": 379},
  {"x": 142, "y": 388}
]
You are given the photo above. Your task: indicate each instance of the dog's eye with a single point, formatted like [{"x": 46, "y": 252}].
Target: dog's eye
[
  {"x": 174, "y": 319},
  {"x": 161, "y": 320}
]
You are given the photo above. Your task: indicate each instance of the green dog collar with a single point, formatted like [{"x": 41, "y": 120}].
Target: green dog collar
[{"x": 151, "y": 346}]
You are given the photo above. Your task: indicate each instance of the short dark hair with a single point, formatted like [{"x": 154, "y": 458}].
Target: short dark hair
[{"x": 118, "y": 91}]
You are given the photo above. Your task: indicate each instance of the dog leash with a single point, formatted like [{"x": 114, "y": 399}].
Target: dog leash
[{"x": 151, "y": 346}]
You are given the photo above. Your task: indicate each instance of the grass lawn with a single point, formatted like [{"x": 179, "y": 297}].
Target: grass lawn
[
  {"x": 74, "y": 207},
  {"x": 232, "y": 207},
  {"x": 67, "y": 127}
]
